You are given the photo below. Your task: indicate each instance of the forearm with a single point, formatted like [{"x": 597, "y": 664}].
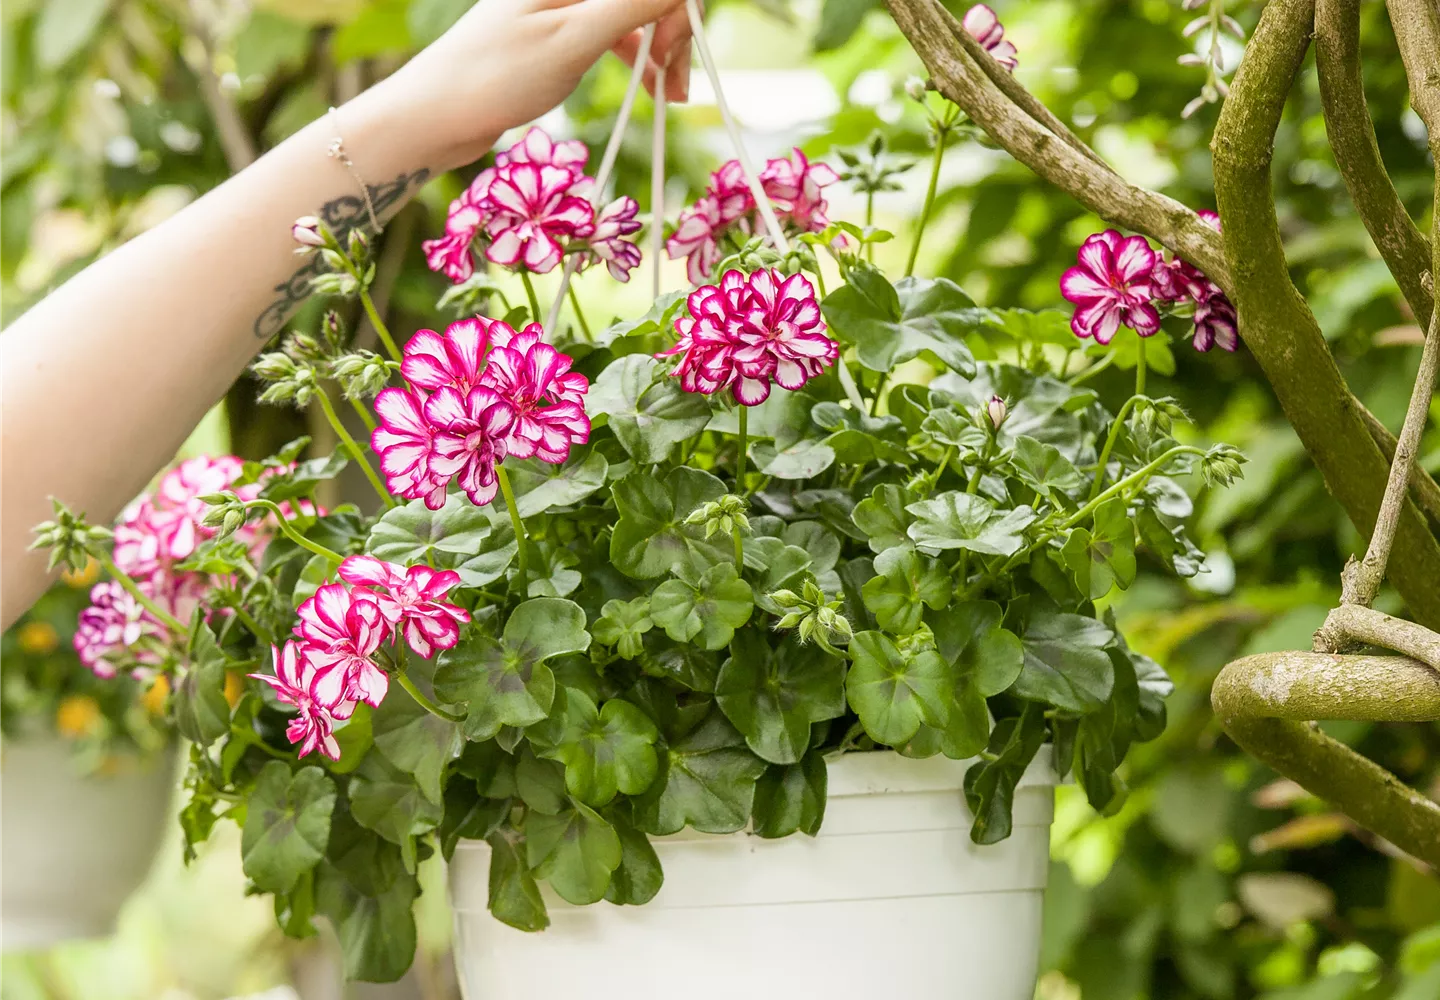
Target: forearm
[{"x": 104, "y": 379}]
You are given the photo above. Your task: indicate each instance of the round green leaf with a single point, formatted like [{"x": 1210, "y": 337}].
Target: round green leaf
[
  {"x": 287, "y": 825},
  {"x": 893, "y": 694},
  {"x": 774, "y": 695}
]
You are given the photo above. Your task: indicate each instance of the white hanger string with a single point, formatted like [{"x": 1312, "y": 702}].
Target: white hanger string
[
  {"x": 657, "y": 179},
  {"x": 607, "y": 163}
]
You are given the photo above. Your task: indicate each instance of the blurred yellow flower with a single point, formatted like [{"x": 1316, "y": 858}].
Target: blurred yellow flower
[
  {"x": 154, "y": 698},
  {"x": 38, "y": 638},
  {"x": 81, "y": 578},
  {"x": 234, "y": 688},
  {"x": 77, "y": 716}
]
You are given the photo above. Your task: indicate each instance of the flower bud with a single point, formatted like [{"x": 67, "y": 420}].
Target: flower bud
[
  {"x": 915, "y": 88},
  {"x": 333, "y": 283},
  {"x": 722, "y": 516},
  {"x": 307, "y": 232},
  {"x": 333, "y": 330},
  {"x": 996, "y": 411},
  {"x": 273, "y": 366},
  {"x": 358, "y": 243},
  {"x": 303, "y": 347},
  {"x": 70, "y": 538},
  {"x": 361, "y": 374}
]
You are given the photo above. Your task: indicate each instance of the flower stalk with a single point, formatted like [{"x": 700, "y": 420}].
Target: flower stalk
[
  {"x": 353, "y": 447},
  {"x": 175, "y": 625},
  {"x": 403, "y": 679},
  {"x": 521, "y": 539},
  {"x": 289, "y": 531},
  {"x": 535, "y": 314}
]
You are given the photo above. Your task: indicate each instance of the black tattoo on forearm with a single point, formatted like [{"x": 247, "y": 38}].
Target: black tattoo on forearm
[{"x": 342, "y": 215}]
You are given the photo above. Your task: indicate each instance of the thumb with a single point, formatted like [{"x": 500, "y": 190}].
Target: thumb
[{"x": 612, "y": 20}]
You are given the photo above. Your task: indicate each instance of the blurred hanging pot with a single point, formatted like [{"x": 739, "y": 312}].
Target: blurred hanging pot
[
  {"x": 891, "y": 899},
  {"x": 74, "y": 847}
]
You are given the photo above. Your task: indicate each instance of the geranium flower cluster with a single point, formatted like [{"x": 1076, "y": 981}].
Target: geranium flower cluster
[
  {"x": 748, "y": 332},
  {"x": 1121, "y": 281},
  {"x": 155, "y": 534},
  {"x": 795, "y": 187},
  {"x": 476, "y": 394},
  {"x": 531, "y": 208},
  {"x": 330, "y": 667}
]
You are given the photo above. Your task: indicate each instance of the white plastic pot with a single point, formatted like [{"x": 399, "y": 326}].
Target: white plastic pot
[
  {"x": 73, "y": 848},
  {"x": 892, "y": 899}
]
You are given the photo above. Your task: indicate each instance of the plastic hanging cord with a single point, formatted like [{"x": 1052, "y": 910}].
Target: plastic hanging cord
[
  {"x": 607, "y": 162},
  {"x": 657, "y": 180},
  {"x": 757, "y": 190}
]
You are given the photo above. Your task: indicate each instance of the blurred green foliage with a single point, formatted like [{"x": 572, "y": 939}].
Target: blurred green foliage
[{"x": 1213, "y": 880}]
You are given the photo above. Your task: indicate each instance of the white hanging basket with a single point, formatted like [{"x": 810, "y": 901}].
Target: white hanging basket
[
  {"x": 73, "y": 849},
  {"x": 891, "y": 899}
]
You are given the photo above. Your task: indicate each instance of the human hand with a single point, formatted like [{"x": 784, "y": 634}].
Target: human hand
[{"x": 507, "y": 62}]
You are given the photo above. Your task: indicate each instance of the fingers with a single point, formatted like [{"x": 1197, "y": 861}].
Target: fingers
[
  {"x": 670, "y": 48},
  {"x": 615, "y": 19}
]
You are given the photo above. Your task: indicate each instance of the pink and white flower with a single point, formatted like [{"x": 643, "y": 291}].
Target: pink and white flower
[
  {"x": 795, "y": 185},
  {"x": 696, "y": 238},
  {"x": 457, "y": 358},
  {"x": 1110, "y": 286},
  {"x": 535, "y": 211},
  {"x": 1216, "y": 324},
  {"x": 109, "y": 632},
  {"x": 403, "y": 440},
  {"x": 470, "y": 433},
  {"x": 410, "y": 600},
  {"x": 747, "y": 333},
  {"x": 296, "y": 682},
  {"x": 1177, "y": 280},
  {"x": 342, "y": 630},
  {"x": 982, "y": 24},
  {"x": 538, "y": 148},
  {"x": 544, "y": 397},
  {"x": 616, "y": 221}
]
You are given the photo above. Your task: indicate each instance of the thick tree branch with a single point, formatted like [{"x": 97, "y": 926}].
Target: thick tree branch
[
  {"x": 1356, "y": 625},
  {"x": 1423, "y": 488},
  {"x": 1417, "y": 29},
  {"x": 959, "y": 78},
  {"x": 1016, "y": 92},
  {"x": 1276, "y": 322},
  {"x": 1352, "y": 138}
]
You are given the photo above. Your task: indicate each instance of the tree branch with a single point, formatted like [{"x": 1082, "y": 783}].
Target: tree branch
[
  {"x": 1423, "y": 488},
  {"x": 960, "y": 79},
  {"x": 1351, "y": 131},
  {"x": 1355, "y": 624},
  {"x": 1276, "y": 322}
]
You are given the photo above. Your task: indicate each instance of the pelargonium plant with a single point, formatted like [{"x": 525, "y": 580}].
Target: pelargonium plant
[{"x": 650, "y": 579}]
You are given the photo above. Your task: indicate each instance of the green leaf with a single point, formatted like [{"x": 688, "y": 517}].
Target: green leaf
[
  {"x": 969, "y": 636},
  {"x": 201, "y": 712},
  {"x": 907, "y": 582},
  {"x": 708, "y": 612},
  {"x": 948, "y": 427},
  {"x": 541, "y": 783},
  {"x": 382, "y": 28},
  {"x": 605, "y": 750},
  {"x": 514, "y": 896},
  {"x": 650, "y": 537},
  {"x": 639, "y": 876},
  {"x": 287, "y": 825},
  {"x": 415, "y": 741},
  {"x": 429, "y": 19},
  {"x": 387, "y": 800},
  {"x": 1066, "y": 664},
  {"x": 291, "y": 484},
  {"x": 647, "y": 410},
  {"x": 540, "y": 486},
  {"x": 1049, "y": 326},
  {"x": 918, "y": 314},
  {"x": 505, "y": 682},
  {"x": 1041, "y": 467},
  {"x": 575, "y": 851},
  {"x": 623, "y": 624},
  {"x": 1105, "y": 557},
  {"x": 791, "y": 798},
  {"x": 801, "y": 460},
  {"x": 954, "y": 520},
  {"x": 839, "y": 20},
  {"x": 893, "y": 693},
  {"x": 882, "y": 517},
  {"x": 458, "y": 536},
  {"x": 707, "y": 781},
  {"x": 268, "y": 44},
  {"x": 377, "y": 933},
  {"x": 774, "y": 695},
  {"x": 64, "y": 27},
  {"x": 468, "y": 815},
  {"x": 990, "y": 785}
]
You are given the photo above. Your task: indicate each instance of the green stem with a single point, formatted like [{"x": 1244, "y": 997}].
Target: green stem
[
  {"x": 579, "y": 314},
  {"x": 1093, "y": 370},
  {"x": 405, "y": 682},
  {"x": 739, "y": 550},
  {"x": 1138, "y": 476},
  {"x": 1140, "y": 370},
  {"x": 1110, "y": 444},
  {"x": 819, "y": 278},
  {"x": 870, "y": 222},
  {"x": 381, "y": 330},
  {"x": 363, "y": 413},
  {"x": 879, "y": 391},
  {"x": 174, "y": 624},
  {"x": 535, "y": 316},
  {"x": 263, "y": 635},
  {"x": 741, "y": 456},
  {"x": 289, "y": 531},
  {"x": 929, "y": 201},
  {"x": 521, "y": 541},
  {"x": 973, "y": 485},
  {"x": 354, "y": 449},
  {"x": 945, "y": 460}
]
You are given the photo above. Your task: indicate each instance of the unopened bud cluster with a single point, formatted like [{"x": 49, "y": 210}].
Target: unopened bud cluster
[
  {"x": 290, "y": 381},
  {"x": 815, "y": 618},
  {"x": 722, "y": 516},
  {"x": 361, "y": 374},
  {"x": 996, "y": 411},
  {"x": 1221, "y": 465},
  {"x": 70, "y": 538},
  {"x": 225, "y": 512},
  {"x": 1153, "y": 415}
]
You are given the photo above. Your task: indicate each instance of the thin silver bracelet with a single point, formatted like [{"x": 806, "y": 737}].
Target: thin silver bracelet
[{"x": 336, "y": 151}]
